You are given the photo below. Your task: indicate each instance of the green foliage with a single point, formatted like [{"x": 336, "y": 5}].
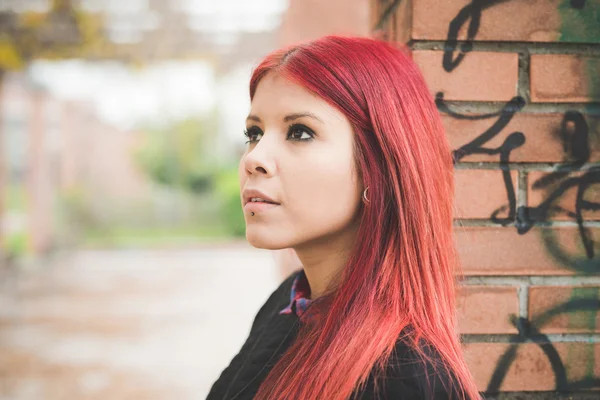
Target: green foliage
[
  {"x": 16, "y": 244},
  {"x": 227, "y": 191},
  {"x": 123, "y": 237},
  {"x": 16, "y": 241},
  {"x": 16, "y": 197},
  {"x": 181, "y": 155},
  {"x": 9, "y": 57}
]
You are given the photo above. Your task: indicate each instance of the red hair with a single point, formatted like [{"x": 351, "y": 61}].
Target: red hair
[{"x": 403, "y": 269}]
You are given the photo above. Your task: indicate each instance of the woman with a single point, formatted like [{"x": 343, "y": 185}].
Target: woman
[{"x": 348, "y": 165}]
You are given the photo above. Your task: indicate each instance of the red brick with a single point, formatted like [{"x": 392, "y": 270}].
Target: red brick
[
  {"x": 545, "y": 299},
  {"x": 522, "y": 21},
  {"x": 564, "y": 78},
  {"x": 487, "y": 309},
  {"x": 540, "y": 251},
  {"x": 403, "y": 22},
  {"x": 531, "y": 370},
  {"x": 542, "y": 132},
  {"x": 396, "y": 27},
  {"x": 567, "y": 200},
  {"x": 480, "y": 192},
  {"x": 482, "y": 75}
]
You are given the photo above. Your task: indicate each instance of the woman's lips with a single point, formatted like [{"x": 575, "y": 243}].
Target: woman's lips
[{"x": 257, "y": 206}]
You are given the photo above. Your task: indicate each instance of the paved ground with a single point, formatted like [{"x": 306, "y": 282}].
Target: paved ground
[{"x": 128, "y": 324}]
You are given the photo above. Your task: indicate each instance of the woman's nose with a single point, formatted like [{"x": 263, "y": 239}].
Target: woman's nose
[{"x": 260, "y": 158}]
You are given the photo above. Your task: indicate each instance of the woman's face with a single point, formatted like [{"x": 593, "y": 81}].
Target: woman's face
[{"x": 299, "y": 156}]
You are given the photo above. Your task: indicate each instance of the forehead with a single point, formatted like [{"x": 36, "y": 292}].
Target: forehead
[{"x": 277, "y": 96}]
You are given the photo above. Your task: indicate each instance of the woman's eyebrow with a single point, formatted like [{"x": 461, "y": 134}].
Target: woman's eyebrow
[
  {"x": 287, "y": 118},
  {"x": 292, "y": 117}
]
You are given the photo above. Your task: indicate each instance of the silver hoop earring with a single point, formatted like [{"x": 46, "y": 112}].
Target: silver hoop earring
[{"x": 365, "y": 195}]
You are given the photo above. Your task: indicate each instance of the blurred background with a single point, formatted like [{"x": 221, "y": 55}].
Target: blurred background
[{"x": 124, "y": 270}]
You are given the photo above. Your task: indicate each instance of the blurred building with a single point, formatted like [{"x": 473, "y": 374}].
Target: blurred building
[
  {"x": 310, "y": 19},
  {"x": 55, "y": 146}
]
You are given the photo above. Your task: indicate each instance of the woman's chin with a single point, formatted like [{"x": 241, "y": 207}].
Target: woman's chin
[{"x": 264, "y": 241}]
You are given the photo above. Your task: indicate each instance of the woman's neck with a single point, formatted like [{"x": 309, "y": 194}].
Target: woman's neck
[{"x": 323, "y": 261}]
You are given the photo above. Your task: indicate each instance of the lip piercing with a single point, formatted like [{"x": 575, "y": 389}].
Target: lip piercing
[{"x": 252, "y": 214}]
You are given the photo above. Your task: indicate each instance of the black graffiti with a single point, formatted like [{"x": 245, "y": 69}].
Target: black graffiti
[
  {"x": 575, "y": 142},
  {"x": 576, "y": 146},
  {"x": 476, "y": 146},
  {"x": 574, "y": 134},
  {"x": 471, "y": 13},
  {"x": 529, "y": 331},
  {"x": 530, "y": 215}
]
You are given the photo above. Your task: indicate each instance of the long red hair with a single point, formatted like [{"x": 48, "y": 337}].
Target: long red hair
[{"x": 404, "y": 269}]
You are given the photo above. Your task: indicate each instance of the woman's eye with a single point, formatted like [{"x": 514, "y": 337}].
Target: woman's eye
[
  {"x": 300, "y": 132},
  {"x": 252, "y": 134}
]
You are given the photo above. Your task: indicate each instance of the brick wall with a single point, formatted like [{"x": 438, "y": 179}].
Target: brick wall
[{"x": 518, "y": 86}]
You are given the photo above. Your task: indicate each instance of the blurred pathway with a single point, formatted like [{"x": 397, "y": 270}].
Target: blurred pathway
[{"x": 129, "y": 324}]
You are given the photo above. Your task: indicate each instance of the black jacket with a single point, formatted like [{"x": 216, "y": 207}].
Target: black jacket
[{"x": 272, "y": 333}]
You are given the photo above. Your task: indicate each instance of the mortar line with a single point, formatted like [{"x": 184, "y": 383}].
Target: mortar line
[
  {"x": 538, "y": 280},
  {"x": 532, "y": 166},
  {"x": 523, "y": 79},
  {"x": 546, "y": 338},
  {"x": 488, "y": 223},
  {"x": 486, "y": 107},
  {"x": 585, "y": 49}
]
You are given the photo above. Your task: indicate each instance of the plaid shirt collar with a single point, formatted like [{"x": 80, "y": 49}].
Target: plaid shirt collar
[{"x": 299, "y": 296}]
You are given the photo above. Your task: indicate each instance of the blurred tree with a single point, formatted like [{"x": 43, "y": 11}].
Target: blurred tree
[
  {"x": 182, "y": 154},
  {"x": 65, "y": 31},
  {"x": 62, "y": 32},
  {"x": 227, "y": 188}
]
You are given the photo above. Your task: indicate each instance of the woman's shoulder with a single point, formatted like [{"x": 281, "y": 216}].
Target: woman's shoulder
[
  {"x": 281, "y": 295},
  {"x": 277, "y": 300},
  {"x": 429, "y": 373},
  {"x": 410, "y": 376}
]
